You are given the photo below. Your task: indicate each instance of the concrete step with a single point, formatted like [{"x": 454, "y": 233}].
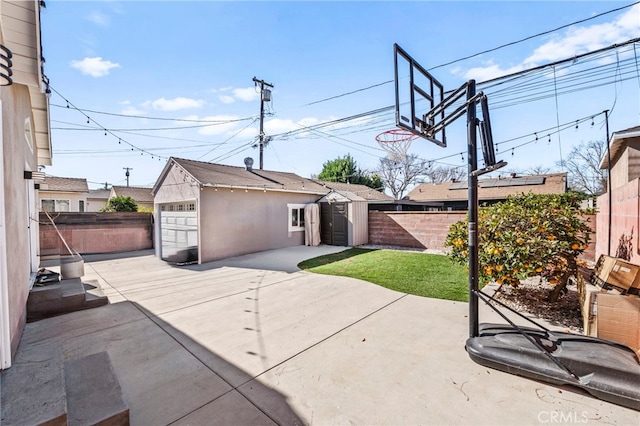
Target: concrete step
[
  {"x": 63, "y": 297},
  {"x": 33, "y": 389},
  {"x": 94, "y": 396}
]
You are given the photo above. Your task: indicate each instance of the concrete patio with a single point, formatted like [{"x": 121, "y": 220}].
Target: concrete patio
[{"x": 252, "y": 340}]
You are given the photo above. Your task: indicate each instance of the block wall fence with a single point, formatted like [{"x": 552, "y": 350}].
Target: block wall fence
[
  {"x": 428, "y": 230},
  {"x": 88, "y": 233}
]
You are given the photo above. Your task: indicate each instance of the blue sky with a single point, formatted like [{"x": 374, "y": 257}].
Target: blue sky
[{"x": 174, "y": 78}]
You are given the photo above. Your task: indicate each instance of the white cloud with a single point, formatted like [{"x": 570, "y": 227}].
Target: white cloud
[
  {"x": 99, "y": 18},
  {"x": 575, "y": 41},
  {"x": 95, "y": 67},
  {"x": 130, "y": 110},
  {"x": 247, "y": 94},
  {"x": 279, "y": 125},
  {"x": 174, "y": 104},
  {"x": 226, "y": 99},
  {"x": 224, "y": 124},
  {"x": 489, "y": 71}
]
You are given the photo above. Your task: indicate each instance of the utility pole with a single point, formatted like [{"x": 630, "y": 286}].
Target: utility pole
[
  {"x": 127, "y": 173},
  {"x": 265, "y": 95}
]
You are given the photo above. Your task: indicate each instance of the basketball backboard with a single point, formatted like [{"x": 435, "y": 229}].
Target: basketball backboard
[{"x": 417, "y": 93}]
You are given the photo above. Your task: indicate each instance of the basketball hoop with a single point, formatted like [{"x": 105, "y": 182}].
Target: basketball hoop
[{"x": 396, "y": 143}]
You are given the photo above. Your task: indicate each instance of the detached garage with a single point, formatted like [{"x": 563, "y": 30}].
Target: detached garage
[{"x": 206, "y": 212}]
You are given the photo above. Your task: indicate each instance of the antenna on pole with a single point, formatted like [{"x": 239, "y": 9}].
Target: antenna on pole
[
  {"x": 265, "y": 96},
  {"x": 127, "y": 173}
]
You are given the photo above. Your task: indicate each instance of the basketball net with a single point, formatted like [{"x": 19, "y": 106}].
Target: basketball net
[{"x": 396, "y": 143}]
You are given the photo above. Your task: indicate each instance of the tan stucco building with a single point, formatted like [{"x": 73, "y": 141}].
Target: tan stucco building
[
  {"x": 61, "y": 194},
  {"x": 24, "y": 146}
]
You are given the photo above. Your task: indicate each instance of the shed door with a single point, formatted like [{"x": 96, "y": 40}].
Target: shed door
[
  {"x": 334, "y": 224},
  {"x": 179, "y": 235}
]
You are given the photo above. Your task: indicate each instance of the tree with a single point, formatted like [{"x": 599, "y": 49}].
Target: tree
[
  {"x": 346, "y": 170},
  {"x": 397, "y": 175},
  {"x": 442, "y": 174},
  {"x": 120, "y": 204},
  {"x": 583, "y": 167},
  {"x": 526, "y": 235}
]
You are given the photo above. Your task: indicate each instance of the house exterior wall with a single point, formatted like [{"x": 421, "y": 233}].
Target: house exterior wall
[
  {"x": 358, "y": 223},
  {"x": 239, "y": 222},
  {"x": 620, "y": 170},
  {"x": 73, "y": 197},
  {"x": 95, "y": 204},
  {"x": 625, "y": 219},
  {"x": 17, "y": 157}
]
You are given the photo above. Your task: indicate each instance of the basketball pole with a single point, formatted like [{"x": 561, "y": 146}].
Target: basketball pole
[{"x": 472, "y": 160}]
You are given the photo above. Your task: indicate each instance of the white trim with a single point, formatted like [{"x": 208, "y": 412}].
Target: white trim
[
  {"x": 290, "y": 209},
  {"x": 5, "y": 330}
]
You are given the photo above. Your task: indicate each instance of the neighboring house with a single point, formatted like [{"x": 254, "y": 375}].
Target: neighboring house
[
  {"x": 97, "y": 199},
  {"x": 142, "y": 196},
  {"x": 450, "y": 196},
  {"x": 61, "y": 194},
  {"x": 210, "y": 211},
  {"x": 618, "y": 228},
  {"x": 24, "y": 146}
]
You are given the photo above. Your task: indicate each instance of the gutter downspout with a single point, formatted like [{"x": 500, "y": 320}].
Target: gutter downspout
[{"x": 606, "y": 119}]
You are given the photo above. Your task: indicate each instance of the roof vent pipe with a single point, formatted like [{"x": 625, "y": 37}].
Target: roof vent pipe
[{"x": 248, "y": 163}]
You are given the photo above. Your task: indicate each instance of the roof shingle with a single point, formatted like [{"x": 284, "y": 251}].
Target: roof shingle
[{"x": 62, "y": 184}]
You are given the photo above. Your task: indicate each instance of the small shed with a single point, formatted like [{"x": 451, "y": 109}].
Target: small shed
[{"x": 344, "y": 219}]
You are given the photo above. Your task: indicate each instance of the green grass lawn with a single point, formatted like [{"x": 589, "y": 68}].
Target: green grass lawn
[{"x": 428, "y": 275}]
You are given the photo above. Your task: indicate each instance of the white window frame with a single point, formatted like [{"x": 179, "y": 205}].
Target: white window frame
[
  {"x": 300, "y": 209},
  {"x": 82, "y": 203},
  {"x": 55, "y": 204}
]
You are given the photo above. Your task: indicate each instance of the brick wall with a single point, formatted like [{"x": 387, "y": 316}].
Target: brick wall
[
  {"x": 428, "y": 230},
  {"x": 425, "y": 230},
  {"x": 96, "y": 232}
]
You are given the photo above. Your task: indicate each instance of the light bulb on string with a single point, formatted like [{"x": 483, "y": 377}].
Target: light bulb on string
[
  {"x": 512, "y": 152},
  {"x": 576, "y": 124},
  {"x": 549, "y": 141},
  {"x": 592, "y": 123},
  {"x": 462, "y": 156},
  {"x": 536, "y": 135}
]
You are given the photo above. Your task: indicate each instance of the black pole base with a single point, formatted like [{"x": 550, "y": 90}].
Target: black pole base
[{"x": 607, "y": 370}]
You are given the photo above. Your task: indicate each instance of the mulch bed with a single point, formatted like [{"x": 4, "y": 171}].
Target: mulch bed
[{"x": 531, "y": 297}]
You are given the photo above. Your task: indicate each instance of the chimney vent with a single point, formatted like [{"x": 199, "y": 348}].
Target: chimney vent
[{"x": 248, "y": 163}]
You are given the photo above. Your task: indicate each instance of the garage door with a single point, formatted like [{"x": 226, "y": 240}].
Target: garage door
[{"x": 179, "y": 235}]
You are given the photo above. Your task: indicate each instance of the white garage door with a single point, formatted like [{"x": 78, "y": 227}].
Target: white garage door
[{"x": 179, "y": 235}]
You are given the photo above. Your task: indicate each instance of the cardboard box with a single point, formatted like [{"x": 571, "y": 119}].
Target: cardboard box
[
  {"x": 623, "y": 274},
  {"x": 588, "y": 294},
  {"x": 618, "y": 319},
  {"x": 611, "y": 273}
]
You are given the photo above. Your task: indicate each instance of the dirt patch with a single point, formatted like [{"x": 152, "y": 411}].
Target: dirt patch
[{"x": 531, "y": 297}]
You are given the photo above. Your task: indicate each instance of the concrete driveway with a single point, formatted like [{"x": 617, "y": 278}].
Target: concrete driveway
[{"x": 252, "y": 340}]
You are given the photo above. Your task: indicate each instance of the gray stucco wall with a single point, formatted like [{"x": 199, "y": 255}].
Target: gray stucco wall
[{"x": 239, "y": 222}]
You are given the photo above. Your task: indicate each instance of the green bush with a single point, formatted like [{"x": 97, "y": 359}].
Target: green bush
[
  {"x": 120, "y": 204},
  {"x": 524, "y": 236}
]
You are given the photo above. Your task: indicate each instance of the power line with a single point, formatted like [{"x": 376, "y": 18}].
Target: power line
[{"x": 480, "y": 53}]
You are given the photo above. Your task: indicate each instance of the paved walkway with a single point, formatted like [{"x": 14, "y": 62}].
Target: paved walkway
[{"x": 252, "y": 340}]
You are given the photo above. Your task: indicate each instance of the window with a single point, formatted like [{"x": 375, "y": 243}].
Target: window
[
  {"x": 180, "y": 207},
  {"x": 191, "y": 207},
  {"x": 81, "y": 206},
  {"x": 296, "y": 217},
  {"x": 55, "y": 205}
]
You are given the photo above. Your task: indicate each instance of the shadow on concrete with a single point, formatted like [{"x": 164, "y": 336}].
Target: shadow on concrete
[
  {"x": 166, "y": 376},
  {"x": 264, "y": 401}
]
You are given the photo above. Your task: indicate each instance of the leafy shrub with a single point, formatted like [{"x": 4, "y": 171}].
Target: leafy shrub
[
  {"x": 524, "y": 236},
  {"x": 120, "y": 204}
]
